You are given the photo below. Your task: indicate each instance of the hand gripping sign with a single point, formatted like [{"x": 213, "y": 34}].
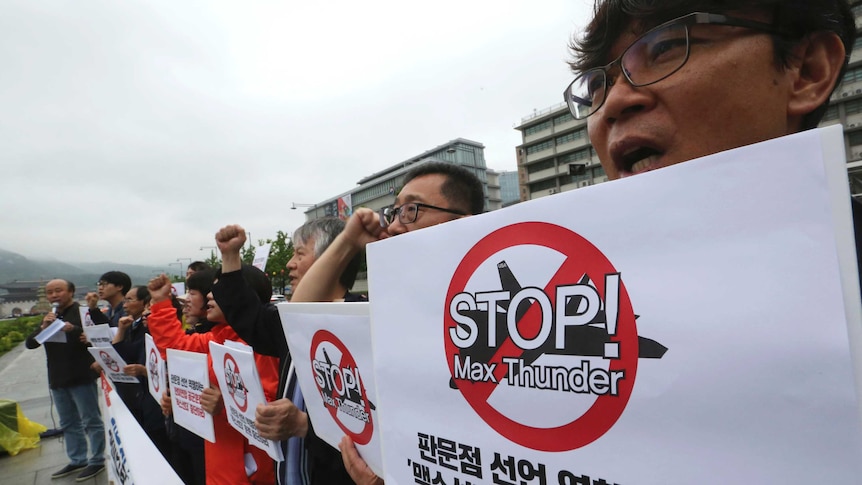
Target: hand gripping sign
[
  {"x": 582, "y": 319},
  {"x": 112, "y": 364},
  {"x": 242, "y": 392},
  {"x": 330, "y": 344}
]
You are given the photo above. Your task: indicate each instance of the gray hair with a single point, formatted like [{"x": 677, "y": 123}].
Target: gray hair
[{"x": 322, "y": 231}]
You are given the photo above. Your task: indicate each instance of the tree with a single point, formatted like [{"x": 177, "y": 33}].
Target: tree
[
  {"x": 279, "y": 254},
  {"x": 246, "y": 253},
  {"x": 213, "y": 261}
]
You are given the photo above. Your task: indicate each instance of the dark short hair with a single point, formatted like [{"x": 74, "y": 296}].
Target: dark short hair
[
  {"x": 255, "y": 278},
  {"x": 142, "y": 293},
  {"x": 462, "y": 188},
  {"x": 323, "y": 231},
  {"x": 201, "y": 281},
  {"x": 796, "y": 17},
  {"x": 198, "y": 266},
  {"x": 118, "y": 278},
  {"x": 70, "y": 286}
]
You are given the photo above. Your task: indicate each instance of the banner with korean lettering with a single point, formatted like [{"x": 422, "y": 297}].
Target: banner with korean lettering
[
  {"x": 131, "y": 455},
  {"x": 330, "y": 344},
  {"x": 241, "y": 392},
  {"x": 188, "y": 376},
  {"x": 687, "y": 325}
]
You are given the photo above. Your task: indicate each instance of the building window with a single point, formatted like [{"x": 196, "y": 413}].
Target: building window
[
  {"x": 583, "y": 154},
  {"x": 538, "y": 167},
  {"x": 852, "y": 75},
  {"x": 537, "y": 128},
  {"x": 851, "y": 107},
  {"x": 559, "y": 120},
  {"x": 551, "y": 183},
  {"x": 540, "y": 147},
  {"x": 854, "y": 138},
  {"x": 832, "y": 112}
]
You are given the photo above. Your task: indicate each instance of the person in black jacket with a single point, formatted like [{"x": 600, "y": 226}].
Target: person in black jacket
[
  {"x": 307, "y": 458},
  {"x": 130, "y": 343},
  {"x": 73, "y": 384}
]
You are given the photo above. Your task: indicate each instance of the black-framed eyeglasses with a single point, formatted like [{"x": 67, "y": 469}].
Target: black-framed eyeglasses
[
  {"x": 654, "y": 56},
  {"x": 407, "y": 213}
]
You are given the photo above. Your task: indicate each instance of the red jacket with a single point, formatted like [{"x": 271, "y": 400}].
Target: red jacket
[{"x": 225, "y": 463}]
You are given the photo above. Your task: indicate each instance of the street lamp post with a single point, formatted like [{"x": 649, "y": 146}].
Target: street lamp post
[{"x": 179, "y": 267}]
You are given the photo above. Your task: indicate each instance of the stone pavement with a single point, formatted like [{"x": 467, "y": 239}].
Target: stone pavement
[{"x": 24, "y": 378}]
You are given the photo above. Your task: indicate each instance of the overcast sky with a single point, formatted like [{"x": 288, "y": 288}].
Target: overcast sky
[{"x": 131, "y": 131}]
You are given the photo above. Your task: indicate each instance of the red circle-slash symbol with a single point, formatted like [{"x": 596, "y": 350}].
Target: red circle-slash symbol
[{"x": 581, "y": 258}]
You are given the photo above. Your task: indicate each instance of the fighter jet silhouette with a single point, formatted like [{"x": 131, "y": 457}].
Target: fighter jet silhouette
[
  {"x": 585, "y": 340},
  {"x": 352, "y": 398}
]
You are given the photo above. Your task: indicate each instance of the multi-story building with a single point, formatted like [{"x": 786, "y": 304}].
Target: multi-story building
[
  {"x": 378, "y": 190},
  {"x": 555, "y": 154},
  {"x": 509, "y": 190}
]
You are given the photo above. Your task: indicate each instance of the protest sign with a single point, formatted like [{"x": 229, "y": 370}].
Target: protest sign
[
  {"x": 86, "y": 319},
  {"x": 188, "y": 377},
  {"x": 99, "y": 335},
  {"x": 156, "y": 374},
  {"x": 131, "y": 455},
  {"x": 330, "y": 344},
  {"x": 112, "y": 364},
  {"x": 261, "y": 254},
  {"x": 241, "y": 392},
  {"x": 690, "y": 322}
]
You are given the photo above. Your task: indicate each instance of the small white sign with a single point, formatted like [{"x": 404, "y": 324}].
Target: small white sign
[
  {"x": 156, "y": 375},
  {"x": 241, "y": 392},
  {"x": 112, "y": 364},
  {"x": 99, "y": 335},
  {"x": 331, "y": 348},
  {"x": 188, "y": 376},
  {"x": 261, "y": 254},
  {"x": 86, "y": 319}
]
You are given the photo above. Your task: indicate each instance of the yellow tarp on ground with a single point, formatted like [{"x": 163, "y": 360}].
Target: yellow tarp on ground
[{"x": 16, "y": 431}]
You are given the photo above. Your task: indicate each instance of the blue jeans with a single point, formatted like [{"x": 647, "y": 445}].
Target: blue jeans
[{"x": 78, "y": 407}]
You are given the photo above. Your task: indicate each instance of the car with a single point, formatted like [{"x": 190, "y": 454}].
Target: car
[{"x": 277, "y": 298}]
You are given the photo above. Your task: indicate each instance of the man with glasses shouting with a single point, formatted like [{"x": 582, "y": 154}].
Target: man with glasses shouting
[
  {"x": 433, "y": 193},
  {"x": 660, "y": 83}
]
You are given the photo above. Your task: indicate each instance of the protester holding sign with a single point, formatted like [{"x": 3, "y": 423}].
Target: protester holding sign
[
  {"x": 433, "y": 193},
  {"x": 130, "y": 343},
  {"x": 259, "y": 325},
  {"x": 231, "y": 459}
]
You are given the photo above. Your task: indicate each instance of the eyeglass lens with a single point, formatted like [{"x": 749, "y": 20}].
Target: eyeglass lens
[{"x": 649, "y": 59}]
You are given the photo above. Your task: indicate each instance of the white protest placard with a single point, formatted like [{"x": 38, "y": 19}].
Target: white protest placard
[
  {"x": 178, "y": 289},
  {"x": 52, "y": 333},
  {"x": 241, "y": 392},
  {"x": 131, "y": 455},
  {"x": 156, "y": 374},
  {"x": 112, "y": 364},
  {"x": 188, "y": 377},
  {"x": 686, "y": 325},
  {"x": 99, "y": 335},
  {"x": 86, "y": 319},
  {"x": 330, "y": 344},
  {"x": 261, "y": 254}
]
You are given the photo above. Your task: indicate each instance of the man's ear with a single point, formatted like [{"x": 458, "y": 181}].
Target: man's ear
[{"x": 817, "y": 62}]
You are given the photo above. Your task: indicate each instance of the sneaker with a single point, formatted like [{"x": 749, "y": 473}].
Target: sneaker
[
  {"x": 67, "y": 470},
  {"x": 89, "y": 472}
]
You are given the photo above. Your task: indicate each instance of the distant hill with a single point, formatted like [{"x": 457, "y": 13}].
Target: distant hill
[{"x": 14, "y": 266}]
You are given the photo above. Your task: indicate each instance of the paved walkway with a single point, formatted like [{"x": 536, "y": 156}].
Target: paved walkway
[{"x": 24, "y": 378}]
